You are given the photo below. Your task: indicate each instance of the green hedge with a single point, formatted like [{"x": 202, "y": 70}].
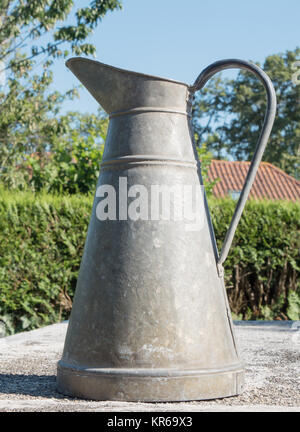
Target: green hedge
[
  {"x": 262, "y": 268},
  {"x": 41, "y": 244},
  {"x": 42, "y": 239}
]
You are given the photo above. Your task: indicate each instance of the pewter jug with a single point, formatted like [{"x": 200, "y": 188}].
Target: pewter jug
[{"x": 150, "y": 319}]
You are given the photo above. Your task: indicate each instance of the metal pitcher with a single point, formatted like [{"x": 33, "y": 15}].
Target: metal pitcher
[{"x": 150, "y": 319}]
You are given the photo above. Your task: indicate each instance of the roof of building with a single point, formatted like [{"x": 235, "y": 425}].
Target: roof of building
[{"x": 270, "y": 182}]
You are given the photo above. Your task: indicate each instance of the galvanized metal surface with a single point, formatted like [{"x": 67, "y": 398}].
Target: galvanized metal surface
[{"x": 150, "y": 318}]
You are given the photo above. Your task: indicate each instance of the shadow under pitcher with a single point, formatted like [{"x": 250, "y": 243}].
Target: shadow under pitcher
[{"x": 150, "y": 319}]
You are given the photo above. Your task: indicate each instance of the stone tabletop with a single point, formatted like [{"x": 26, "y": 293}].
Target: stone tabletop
[{"x": 270, "y": 351}]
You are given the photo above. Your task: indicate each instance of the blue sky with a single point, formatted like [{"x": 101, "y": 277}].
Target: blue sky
[{"x": 177, "y": 39}]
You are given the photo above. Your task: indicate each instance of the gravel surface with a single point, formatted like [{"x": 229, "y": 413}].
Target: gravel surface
[{"x": 270, "y": 351}]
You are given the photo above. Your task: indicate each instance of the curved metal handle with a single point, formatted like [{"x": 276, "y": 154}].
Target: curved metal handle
[{"x": 202, "y": 79}]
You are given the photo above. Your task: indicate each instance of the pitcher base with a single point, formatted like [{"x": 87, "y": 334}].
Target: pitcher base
[{"x": 149, "y": 385}]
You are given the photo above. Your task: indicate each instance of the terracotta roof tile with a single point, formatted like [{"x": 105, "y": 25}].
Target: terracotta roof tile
[{"x": 270, "y": 182}]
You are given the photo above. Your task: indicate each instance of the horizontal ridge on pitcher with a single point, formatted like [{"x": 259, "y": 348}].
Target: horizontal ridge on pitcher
[{"x": 141, "y": 110}]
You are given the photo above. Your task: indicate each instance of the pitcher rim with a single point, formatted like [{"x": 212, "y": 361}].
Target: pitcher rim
[{"x": 70, "y": 60}]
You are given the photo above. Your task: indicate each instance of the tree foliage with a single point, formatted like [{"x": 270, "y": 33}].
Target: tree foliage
[
  {"x": 228, "y": 114},
  {"x": 72, "y": 166},
  {"x": 33, "y": 34},
  {"x": 29, "y": 120},
  {"x": 30, "y": 28}
]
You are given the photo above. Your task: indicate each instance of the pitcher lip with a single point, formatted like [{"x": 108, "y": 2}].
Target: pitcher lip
[{"x": 70, "y": 60}]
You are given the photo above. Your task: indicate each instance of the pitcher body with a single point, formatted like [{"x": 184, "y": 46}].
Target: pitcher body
[{"x": 150, "y": 319}]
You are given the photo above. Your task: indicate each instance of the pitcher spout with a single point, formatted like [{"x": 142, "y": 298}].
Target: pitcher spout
[{"x": 119, "y": 90}]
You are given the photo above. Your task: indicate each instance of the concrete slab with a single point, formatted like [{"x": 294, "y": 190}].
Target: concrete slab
[{"x": 270, "y": 351}]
